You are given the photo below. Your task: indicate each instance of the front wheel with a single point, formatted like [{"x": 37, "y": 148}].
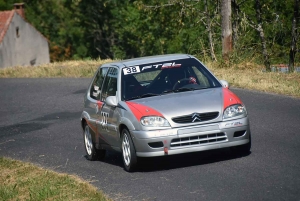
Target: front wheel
[
  {"x": 91, "y": 151},
  {"x": 128, "y": 152}
]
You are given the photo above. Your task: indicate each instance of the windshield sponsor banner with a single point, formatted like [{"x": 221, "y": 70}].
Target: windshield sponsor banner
[{"x": 138, "y": 69}]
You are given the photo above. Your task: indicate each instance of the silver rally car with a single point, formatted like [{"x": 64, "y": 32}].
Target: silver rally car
[{"x": 161, "y": 105}]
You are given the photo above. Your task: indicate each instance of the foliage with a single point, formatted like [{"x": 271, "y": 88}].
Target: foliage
[{"x": 131, "y": 28}]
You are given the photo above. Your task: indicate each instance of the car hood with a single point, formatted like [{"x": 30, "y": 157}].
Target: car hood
[{"x": 183, "y": 103}]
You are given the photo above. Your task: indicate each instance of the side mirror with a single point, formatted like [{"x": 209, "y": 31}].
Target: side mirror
[
  {"x": 111, "y": 101},
  {"x": 225, "y": 84}
]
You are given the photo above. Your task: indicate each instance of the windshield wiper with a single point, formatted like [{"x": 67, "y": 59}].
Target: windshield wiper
[
  {"x": 132, "y": 98},
  {"x": 167, "y": 91},
  {"x": 148, "y": 95},
  {"x": 184, "y": 89},
  {"x": 141, "y": 96},
  {"x": 188, "y": 89}
]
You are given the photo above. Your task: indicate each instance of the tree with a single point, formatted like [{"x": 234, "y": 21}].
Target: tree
[
  {"x": 226, "y": 29},
  {"x": 260, "y": 29},
  {"x": 294, "y": 34},
  {"x": 210, "y": 31}
]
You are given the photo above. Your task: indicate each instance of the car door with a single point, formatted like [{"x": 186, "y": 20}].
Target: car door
[
  {"x": 108, "y": 115},
  {"x": 95, "y": 104}
]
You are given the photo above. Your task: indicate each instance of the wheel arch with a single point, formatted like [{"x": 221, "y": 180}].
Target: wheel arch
[
  {"x": 83, "y": 122},
  {"x": 124, "y": 126},
  {"x": 121, "y": 127},
  {"x": 84, "y": 117}
]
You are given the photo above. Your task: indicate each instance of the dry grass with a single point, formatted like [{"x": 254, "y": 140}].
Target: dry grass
[
  {"x": 250, "y": 76},
  {"x": 75, "y": 69},
  {"x": 23, "y": 181},
  {"x": 246, "y": 75}
]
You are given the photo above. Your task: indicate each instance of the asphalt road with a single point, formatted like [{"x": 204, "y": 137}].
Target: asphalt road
[{"x": 40, "y": 123}]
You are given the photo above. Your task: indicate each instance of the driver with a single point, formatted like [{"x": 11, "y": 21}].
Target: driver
[
  {"x": 175, "y": 74},
  {"x": 177, "y": 77}
]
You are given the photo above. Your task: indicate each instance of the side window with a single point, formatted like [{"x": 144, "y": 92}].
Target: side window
[
  {"x": 95, "y": 90},
  {"x": 110, "y": 83},
  {"x": 203, "y": 81}
]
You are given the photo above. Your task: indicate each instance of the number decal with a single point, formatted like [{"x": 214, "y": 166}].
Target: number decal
[
  {"x": 131, "y": 70},
  {"x": 104, "y": 118}
]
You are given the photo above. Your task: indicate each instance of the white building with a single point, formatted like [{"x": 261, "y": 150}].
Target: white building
[{"x": 20, "y": 43}]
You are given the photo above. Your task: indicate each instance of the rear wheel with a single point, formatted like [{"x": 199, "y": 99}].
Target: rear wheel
[
  {"x": 128, "y": 152},
  {"x": 91, "y": 151}
]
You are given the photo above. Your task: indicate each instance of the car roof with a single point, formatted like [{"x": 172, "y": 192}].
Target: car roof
[{"x": 148, "y": 59}]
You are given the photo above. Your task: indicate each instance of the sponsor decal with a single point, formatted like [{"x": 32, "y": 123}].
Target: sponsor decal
[
  {"x": 231, "y": 124},
  {"x": 146, "y": 67},
  {"x": 163, "y": 66},
  {"x": 164, "y": 133},
  {"x": 170, "y": 65},
  {"x": 103, "y": 122},
  {"x": 131, "y": 70}
]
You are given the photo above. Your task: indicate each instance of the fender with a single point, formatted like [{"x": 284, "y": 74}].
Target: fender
[
  {"x": 127, "y": 123},
  {"x": 85, "y": 115}
]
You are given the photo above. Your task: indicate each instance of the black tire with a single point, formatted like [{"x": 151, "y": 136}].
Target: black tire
[
  {"x": 91, "y": 152},
  {"x": 243, "y": 149},
  {"x": 128, "y": 152}
]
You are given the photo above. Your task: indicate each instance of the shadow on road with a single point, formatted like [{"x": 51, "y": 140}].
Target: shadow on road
[
  {"x": 37, "y": 123},
  {"x": 176, "y": 161}
]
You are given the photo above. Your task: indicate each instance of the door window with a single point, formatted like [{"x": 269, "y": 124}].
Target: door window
[
  {"x": 95, "y": 90},
  {"x": 110, "y": 83}
]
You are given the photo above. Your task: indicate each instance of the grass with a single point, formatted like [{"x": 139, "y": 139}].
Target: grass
[
  {"x": 75, "y": 69},
  {"x": 23, "y": 181},
  {"x": 243, "y": 75},
  {"x": 250, "y": 76}
]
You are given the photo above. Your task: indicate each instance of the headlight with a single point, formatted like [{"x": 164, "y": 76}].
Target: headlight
[
  {"x": 234, "y": 111},
  {"x": 154, "y": 121}
]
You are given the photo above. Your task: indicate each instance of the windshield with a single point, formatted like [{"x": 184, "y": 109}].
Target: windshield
[{"x": 161, "y": 78}]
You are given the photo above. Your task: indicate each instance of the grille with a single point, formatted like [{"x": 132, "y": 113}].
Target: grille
[
  {"x": 196, "y": 117},
  {"x": 198, "y": 140}
]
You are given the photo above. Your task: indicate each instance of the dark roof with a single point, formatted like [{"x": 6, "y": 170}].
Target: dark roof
[{"x": 5, "y": 19}]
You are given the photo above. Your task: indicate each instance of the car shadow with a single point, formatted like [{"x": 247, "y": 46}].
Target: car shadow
[
  {"x": 38, "y": 123},
  {"x": 161, "y": 163}
]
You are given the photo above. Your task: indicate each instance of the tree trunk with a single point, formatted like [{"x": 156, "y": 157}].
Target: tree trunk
[
  {"x": 209, "y": 30},
  {"x": 293, "y": 49},
  {"x": 235, "y": 23},
  {"x": 262, "y": 36},
  {"x": 226, "y": 29}
]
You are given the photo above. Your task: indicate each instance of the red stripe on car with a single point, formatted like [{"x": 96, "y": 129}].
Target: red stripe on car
[
  {"x": 99, "y": 103},
  {"x": 94, "y": 129},
  {"x": 230, "y": 98},
  {"x": 140, "y": 110}
]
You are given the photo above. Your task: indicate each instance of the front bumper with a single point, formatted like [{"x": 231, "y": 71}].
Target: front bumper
[{"x": 192, "y": 138}]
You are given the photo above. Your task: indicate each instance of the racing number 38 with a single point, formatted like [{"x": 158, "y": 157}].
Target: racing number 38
[{"x": 131, "y": 70}]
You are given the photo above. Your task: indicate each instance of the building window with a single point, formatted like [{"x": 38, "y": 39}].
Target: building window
[{"x": 17, "y": 32}]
